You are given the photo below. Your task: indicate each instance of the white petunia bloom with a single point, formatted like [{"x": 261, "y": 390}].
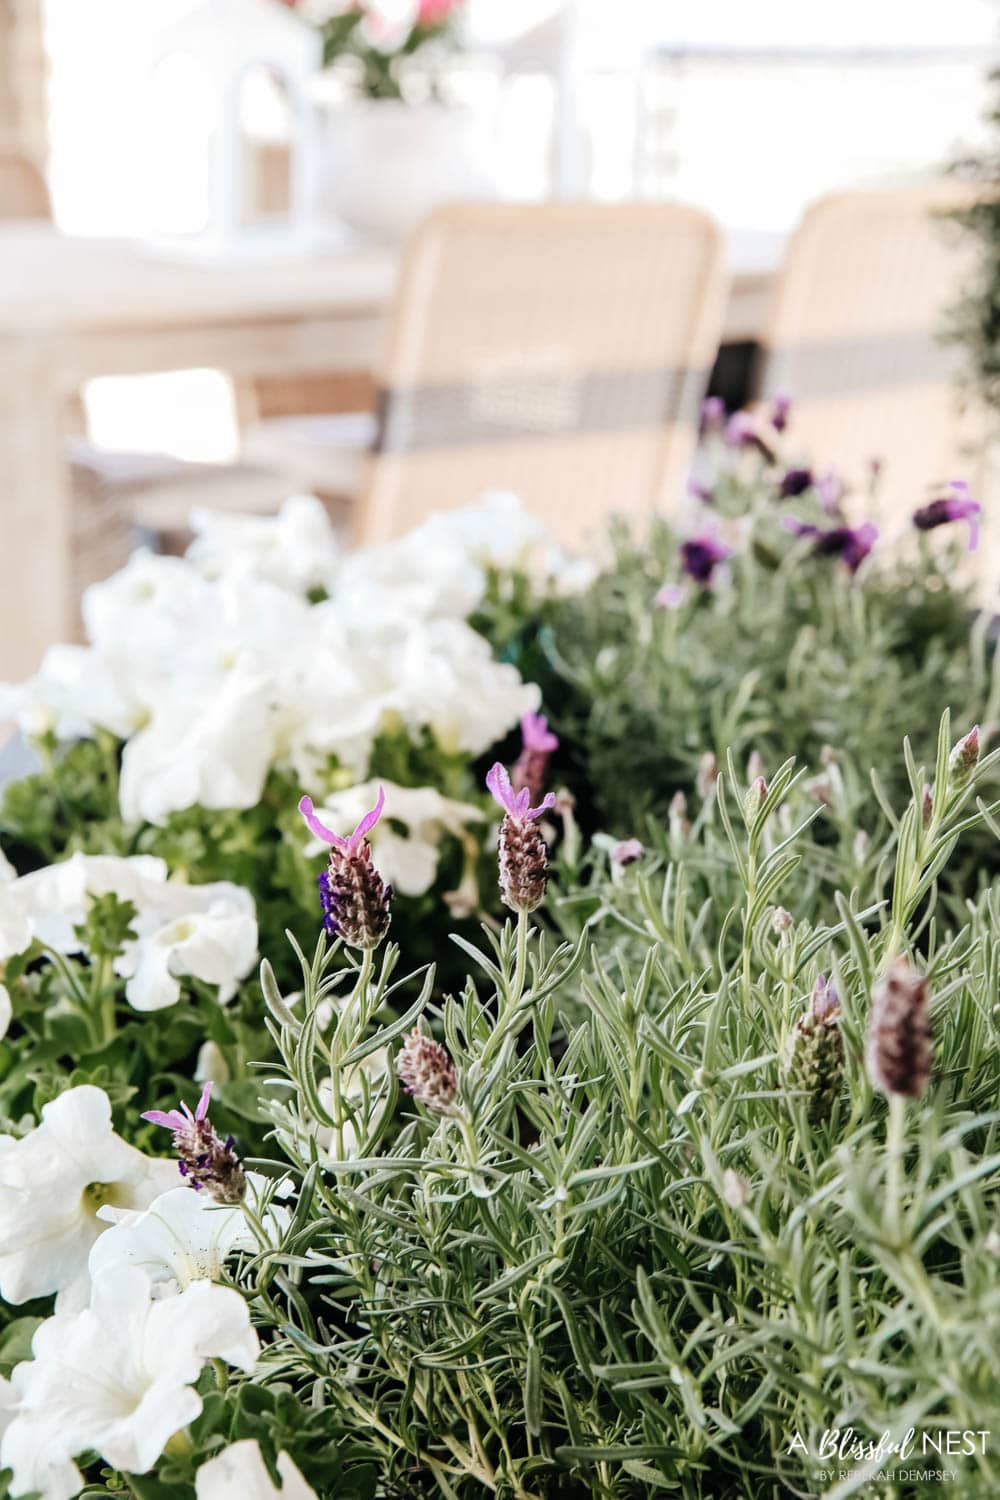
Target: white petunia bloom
[
  {"x": 117, "y": 1378},
  {"x": 208, "y": 932},
  {"x": 54, "y": 1180},
  {"x": 215, "y": 668},
  {"x": 408, "y": 860},
  {"x": 240, "y": 1470},
  {"x": 5, "y": 1010},
  {"x": 297, "y": 549},
  {"x": 212, "y": 748},
  {"x": 182, "y": 1237}
]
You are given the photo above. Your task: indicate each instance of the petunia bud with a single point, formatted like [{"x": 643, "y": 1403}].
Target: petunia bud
[
  {"x": 426, "y": 1071},
  {"x": 899, "y": 1052}
]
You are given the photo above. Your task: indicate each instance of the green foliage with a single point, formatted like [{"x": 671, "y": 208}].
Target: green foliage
[
  {"x": 630, "y": 1259},
  {"x": 792, "y": 655}
]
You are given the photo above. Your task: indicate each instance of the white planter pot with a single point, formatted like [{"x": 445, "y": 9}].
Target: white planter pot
[{"x": 387, "y": 164}]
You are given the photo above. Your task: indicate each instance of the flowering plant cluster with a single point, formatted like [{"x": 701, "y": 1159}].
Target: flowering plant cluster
[
  {"x": 378, "y": 39},
  {"x": 619, "y": 1112}
]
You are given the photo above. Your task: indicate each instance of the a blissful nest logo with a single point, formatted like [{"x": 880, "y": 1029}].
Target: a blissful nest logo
[{"x": 914, "y": 1456}]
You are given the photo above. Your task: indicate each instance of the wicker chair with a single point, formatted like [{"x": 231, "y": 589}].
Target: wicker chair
[
  {"x": 855, "y": 338},
  {"x": 557, "y": 350}
]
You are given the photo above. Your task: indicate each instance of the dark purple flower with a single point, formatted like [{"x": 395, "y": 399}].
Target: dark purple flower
[
  {"x": 780, "y": 407},
  {"x": 795, "y": 482},
  {"x": 956, "y": 504},
  {"x": 713, "y": 415},
  {"x": 701, "y": 555},
  {"x": 205, "y": 1159},
  {"x": 851, "y": 544}
]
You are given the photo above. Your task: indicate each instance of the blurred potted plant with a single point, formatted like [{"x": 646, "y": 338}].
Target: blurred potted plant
[{"x": 399, "y": 140}]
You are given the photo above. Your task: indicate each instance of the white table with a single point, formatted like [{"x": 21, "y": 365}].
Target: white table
[{"x": 72, "y": 309}]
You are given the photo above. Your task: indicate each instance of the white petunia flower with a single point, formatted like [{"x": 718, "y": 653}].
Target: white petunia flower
[
  {"x": 217, "y": 946},
  {"x": 182, "y": 1237},
  {"x": 5, "y": 1010},
  {"x": 297, "y": 549},
  {"x": 240, "y": 1470},
  {"x": 54, "y": 1180},
  {"x": 407, "y": 860},
  {"x": 206, "y": 931},
  {"x": 117, "y": 1378},
  {"x": 212, "y": 748}
]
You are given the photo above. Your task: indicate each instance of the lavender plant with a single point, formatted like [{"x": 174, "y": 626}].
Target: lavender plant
[{"x": 642, "y": 1225}]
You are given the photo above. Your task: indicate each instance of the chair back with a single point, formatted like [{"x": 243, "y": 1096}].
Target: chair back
[
  {"x": 557, "y": 350},
  {"x": 856, "y": 340},
  {"x": 23, "y": 193}
]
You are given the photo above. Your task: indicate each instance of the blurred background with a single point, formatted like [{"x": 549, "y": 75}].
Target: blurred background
[{"x": 204, "y": 209}]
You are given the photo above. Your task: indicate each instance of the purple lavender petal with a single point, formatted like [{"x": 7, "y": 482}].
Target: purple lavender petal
[
  {"x": 498, "y": 783},
  {"x": 536, "y": 735},
  {"x": 367, "y": 822},
  {"x": 320, "y": 829}
]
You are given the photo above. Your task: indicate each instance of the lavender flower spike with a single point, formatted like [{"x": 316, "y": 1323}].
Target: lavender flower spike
[
  {"x": 205, "y": 1159},
  {"x": 956, "y": 505},
  {"x": 780, "y": 407},
  {"x": 537, "y": 744},
  {"x": 352, "y": 893},
  {"x": 522, "y": 852}
]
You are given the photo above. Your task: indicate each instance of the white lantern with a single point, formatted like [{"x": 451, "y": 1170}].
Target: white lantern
[{"x": 235, "y": 43}]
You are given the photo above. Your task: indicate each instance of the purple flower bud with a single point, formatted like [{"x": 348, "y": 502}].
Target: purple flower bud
[
  {"x": 700, "y": 491},
  {"x": 899, "y": 1053},
  {"x": 964, "y": 756},
  {"x": 795, "y": 482},
  {"x": 927, "y": 806},
  {"x": 670, "y": 596},
  {"x": 701, "y": 555},
  {"x": 707, "y": 774},
  {"x": 713, "y": 415},
  {"x": 830, "y": 489},
  {"x": 627, "y": 852},
  {"x": 427, "y": 1073},
  {"x": 537, "y": 744},
  {"x": 354, "y": 898},
  {"x": 824, "y": 1003},
  {"x": 205, "y": 1159},
  {"x": 780, "y": 407},
  {"x": 956, "y": 504},
  {"x": 741, "y": 431}
]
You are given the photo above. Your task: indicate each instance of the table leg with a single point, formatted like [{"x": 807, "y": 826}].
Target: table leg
[{"x": 36, "y": 603}]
